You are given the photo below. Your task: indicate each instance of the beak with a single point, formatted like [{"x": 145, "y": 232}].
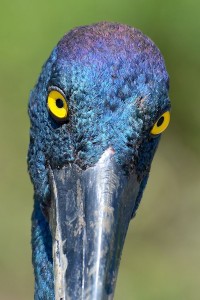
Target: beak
[{"x": 89, "y": 217}]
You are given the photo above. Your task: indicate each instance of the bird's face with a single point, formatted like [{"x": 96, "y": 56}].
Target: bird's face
[{"x": 97, "y": 112}]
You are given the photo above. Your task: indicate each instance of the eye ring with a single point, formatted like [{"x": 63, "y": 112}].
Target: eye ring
[
  {"x": 57, "y": 106},
  {"x": 161, "y": 124}
]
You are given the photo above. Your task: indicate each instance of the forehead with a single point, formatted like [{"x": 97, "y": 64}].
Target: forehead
[
  {"x": 110, "y": 56},
  {"x": 107, "y": 43},
  {"x": 109, "y": 61}
]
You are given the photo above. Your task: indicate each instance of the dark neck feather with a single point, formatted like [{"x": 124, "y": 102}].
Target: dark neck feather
[{"x": 42, "y": 255}]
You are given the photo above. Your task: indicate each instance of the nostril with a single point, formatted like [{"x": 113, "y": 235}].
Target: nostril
[{"x": 111, "y": 150}]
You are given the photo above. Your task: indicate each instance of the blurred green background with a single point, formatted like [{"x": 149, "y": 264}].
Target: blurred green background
[{"x": 161, "y": 258}]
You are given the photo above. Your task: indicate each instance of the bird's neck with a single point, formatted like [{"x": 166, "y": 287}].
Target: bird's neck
[{"x": 42, "y": 255}]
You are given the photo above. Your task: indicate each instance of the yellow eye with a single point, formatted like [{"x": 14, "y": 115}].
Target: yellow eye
[
  {"x": 57, "y": 106},
  {"x": 161, "y": 124}
]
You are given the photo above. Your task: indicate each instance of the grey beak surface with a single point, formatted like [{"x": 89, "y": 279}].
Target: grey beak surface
[{"x": 89, "y": 217}]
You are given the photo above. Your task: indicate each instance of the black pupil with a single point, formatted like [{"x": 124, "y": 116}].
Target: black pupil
[
  {"x": 160, "y": 121},
  {"x": 59, "y": 103}
]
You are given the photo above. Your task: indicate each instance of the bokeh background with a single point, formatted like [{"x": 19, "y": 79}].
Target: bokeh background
[{"x": 161, "y": 258}]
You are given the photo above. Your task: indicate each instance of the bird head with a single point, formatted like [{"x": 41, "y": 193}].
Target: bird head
[{"x": 97, "y": 113}]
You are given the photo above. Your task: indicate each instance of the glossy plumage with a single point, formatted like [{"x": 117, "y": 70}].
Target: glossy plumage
[{"x": 116, "y": 86}]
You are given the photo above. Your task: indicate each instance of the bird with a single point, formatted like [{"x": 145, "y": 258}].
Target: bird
[{"x": 97, "y": 113}]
